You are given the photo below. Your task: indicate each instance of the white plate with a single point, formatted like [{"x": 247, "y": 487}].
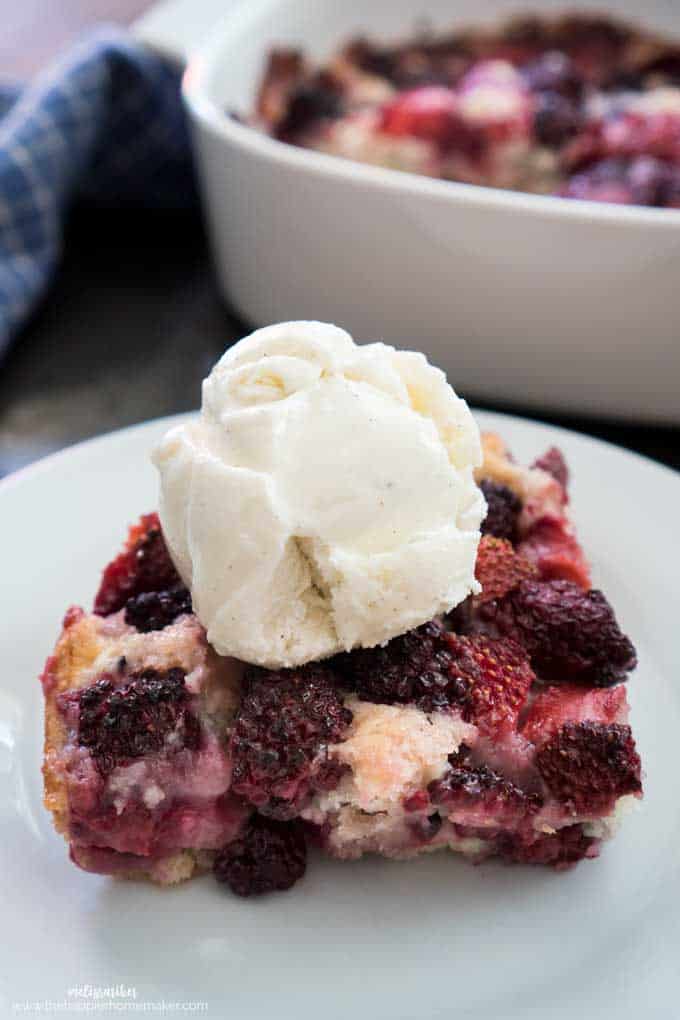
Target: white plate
[{"x": 374, "y": 939}]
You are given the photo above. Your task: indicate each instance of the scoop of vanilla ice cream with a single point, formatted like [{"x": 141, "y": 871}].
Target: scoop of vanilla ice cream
[{"x": 324, "y": 498}]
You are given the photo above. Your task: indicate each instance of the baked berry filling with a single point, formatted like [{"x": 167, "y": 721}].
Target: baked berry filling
[
  {"x": 560, "y": 849},
  {"x": 579, "y": 106}
]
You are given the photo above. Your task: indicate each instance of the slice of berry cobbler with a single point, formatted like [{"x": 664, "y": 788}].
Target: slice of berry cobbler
[{"x": 501, "y": 730}]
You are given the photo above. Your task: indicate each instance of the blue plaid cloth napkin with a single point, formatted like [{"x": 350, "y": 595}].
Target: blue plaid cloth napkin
[{"x": 106, "y": 123}]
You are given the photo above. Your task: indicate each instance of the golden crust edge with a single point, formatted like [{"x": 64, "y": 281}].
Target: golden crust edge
[
  {"x": 76, "y": 650},
  {"x": 497, "y": 465}
]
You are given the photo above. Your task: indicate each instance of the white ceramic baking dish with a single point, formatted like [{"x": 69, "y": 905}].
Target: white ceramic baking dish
[{"x": 523, "y": 299}]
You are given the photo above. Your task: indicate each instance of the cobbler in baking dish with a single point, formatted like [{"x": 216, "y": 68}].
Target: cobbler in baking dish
[
  {"x": 579, "y": 106},
  {"x": 497, "y": 730}
]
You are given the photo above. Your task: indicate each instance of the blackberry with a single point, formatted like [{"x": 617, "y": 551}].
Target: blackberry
[
  {"x": 465, "y": 784},
  {"x": 556, "y": 119},
  {"x": 640, "y": 180},
  {"x": 418, "y": 667},
  {"x": 486, "y": 679},
  {"x": 571, "y": 635},
  {"x": 653, "y": 182},
  {"x": 310, "y": 102},
  {"x": 503, "y": 510},
  {"x": 118, "y": 724},
  {"x": 270, "y": 856},
  {"x": 588, "y": 765},
  {"x": 154, "y": 610},
  {"x": 279, "y": 738},
  {"x": 554, "y": 73},
  {"x": 143, "y": 566}
]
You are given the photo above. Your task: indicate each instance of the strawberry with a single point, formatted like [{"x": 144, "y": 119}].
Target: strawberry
[
  {"x": 498, "y": 677},
  {"x": 555, "y": 706},
  {"x": 499, "y": 568},
  {"x": 429, "y": 112},
  {"x": 551, "y": 546},
  {"x": 486, "y": 679}
]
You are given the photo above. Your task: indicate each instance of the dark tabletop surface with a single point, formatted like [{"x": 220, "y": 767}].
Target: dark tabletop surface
[{"x": 134, "y": 321}]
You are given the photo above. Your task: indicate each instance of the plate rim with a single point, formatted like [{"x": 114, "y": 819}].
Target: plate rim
[
  {"x": 44, "y": 466},
  {"x": 45, "y": 463}
]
